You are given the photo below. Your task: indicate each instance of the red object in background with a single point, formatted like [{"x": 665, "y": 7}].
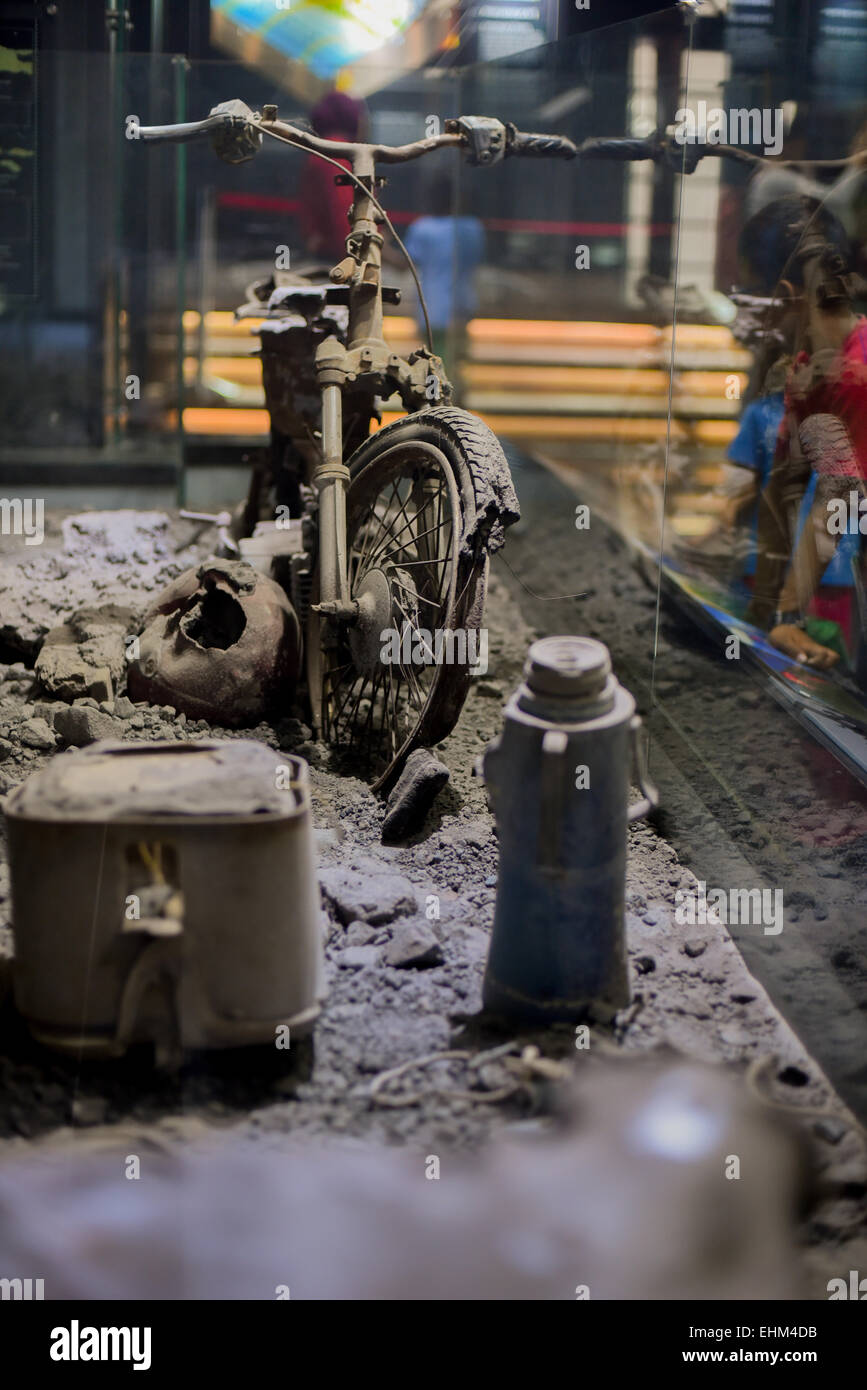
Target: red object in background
[
  {"x": 323, "y": 210},
  {"x": 842, "y": 393},
  {"x": 834, "y": 603},
  {"x": 325, "y": 205}
]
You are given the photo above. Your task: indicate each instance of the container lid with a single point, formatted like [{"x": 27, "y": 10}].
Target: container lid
[
  {"x": 571, "y": 668},
  {"x": 568, "y": 679},
  {"x": 108, "y": 781}
]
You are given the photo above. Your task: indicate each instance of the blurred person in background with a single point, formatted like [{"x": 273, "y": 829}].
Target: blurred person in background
[
  {"x": 822, "y": 441},
  {"x": 767, "y": 248},
  {"x": 324, "y": 204},
  {"x": 447, "y": 251}
]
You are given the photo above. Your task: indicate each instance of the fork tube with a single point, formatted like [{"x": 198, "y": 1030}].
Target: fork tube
[
  {"x": 365, "y": 296},
  {"x": 332, "y": 479}
]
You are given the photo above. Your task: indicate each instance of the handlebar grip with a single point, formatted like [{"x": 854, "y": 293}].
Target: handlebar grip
[
  {"x": 541, "y": 146},
  {"x": 621, "y": 147},
  {"x": 177, "y": 134},
  {"x": 231, "y": 127}
]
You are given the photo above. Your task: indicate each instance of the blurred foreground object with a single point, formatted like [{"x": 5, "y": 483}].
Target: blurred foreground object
[
  {"x": 165, "y": 893},
  {"x": 636, "y": 1199},
  {"x": 558, "y": 779},
  {"x": 221, "y": 643}
]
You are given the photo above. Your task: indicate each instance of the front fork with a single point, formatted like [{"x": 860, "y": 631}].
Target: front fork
[
  {"x": 331, "y": 479},
  {"x": 373, "y": 362}
]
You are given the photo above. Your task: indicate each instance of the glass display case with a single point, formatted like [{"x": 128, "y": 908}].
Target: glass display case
[
  {"x": 691, "y": 386},
  {"x": 676, "y": 501}
]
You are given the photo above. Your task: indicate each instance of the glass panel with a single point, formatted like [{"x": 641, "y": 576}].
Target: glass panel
[
  {"x": 562, "y": 359},
  {"x": 91, "y": 276},
  {"x": 763, "y": 553}
]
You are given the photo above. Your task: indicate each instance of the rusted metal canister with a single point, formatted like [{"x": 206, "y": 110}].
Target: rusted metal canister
[
  {"x": 165, "y": 893},
  {"x": 558, "y": 778}
]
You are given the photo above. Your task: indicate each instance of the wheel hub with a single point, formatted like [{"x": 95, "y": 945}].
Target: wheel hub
[{"x": 373, "y": 597}]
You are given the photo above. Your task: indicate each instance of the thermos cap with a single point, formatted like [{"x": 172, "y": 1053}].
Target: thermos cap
[{"x": 572, "y": 668}]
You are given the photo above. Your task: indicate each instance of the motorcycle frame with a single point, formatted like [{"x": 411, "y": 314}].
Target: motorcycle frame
[{"x": 365, "y": 360}]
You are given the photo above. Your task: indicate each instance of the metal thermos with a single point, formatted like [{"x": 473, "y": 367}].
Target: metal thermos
[{"x": 558, "y": 778}]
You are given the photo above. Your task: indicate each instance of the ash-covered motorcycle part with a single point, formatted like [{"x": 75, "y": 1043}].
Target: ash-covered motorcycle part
[
  {"x": 227, "y": 547},
  {"x": 236, "y": 140},
  {"x": 221, "y": 643},
  {"x": 272, "y": 545},
  {"x": 484, "y": 136},
  {"x": 165, "y": 893}
]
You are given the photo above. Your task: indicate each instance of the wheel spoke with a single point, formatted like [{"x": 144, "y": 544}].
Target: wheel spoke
[
  {"x": 407, "y": 545},
  {"x": 410, "y": 521},
  {"x": 372, "y": 541},
  {"x": 413, "y": 592},
  {"x": 403, "y": 514}
]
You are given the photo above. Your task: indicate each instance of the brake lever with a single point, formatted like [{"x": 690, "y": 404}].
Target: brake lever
[{"x": 238, "y": 139}]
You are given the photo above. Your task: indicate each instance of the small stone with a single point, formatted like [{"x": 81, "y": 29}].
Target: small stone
[
  {"x": 367, "y": 891},
  {"x": 357, "y": 957},
  {"x": 79, "y": 726},
  {"x": 413, "y": 945},
  {"x": 471, "y": 942},
  {"x": 64, "y": 671},
  {"x": 359, "y": 934},
  {"x": 36, "y": 733},
  {"x": 100, "y": 685},
  {"x": 694, "y": 946},
  {"x": 124, "y": 707},
  {"x": 645, "y": 965},
  {"x": 43, "y": 709}
]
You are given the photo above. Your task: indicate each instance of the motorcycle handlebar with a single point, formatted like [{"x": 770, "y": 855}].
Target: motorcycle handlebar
[
  {"x": 539, "y": 146},
  {"x": 620, "y": 148},
  {"x": 178, "y": 134},
  {"x": 236, "y": 133}
]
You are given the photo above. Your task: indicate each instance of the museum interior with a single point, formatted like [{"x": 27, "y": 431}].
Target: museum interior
[{"x": 433, "y": 652}]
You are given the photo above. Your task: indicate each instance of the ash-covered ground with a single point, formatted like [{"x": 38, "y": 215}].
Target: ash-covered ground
[{"x": 403, "y": 987}]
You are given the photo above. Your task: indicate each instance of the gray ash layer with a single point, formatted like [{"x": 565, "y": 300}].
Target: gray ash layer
[{"x": 408, "y": 930}]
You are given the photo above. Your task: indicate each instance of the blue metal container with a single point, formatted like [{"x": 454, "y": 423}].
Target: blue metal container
[{"x": 558, "y": 778}]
